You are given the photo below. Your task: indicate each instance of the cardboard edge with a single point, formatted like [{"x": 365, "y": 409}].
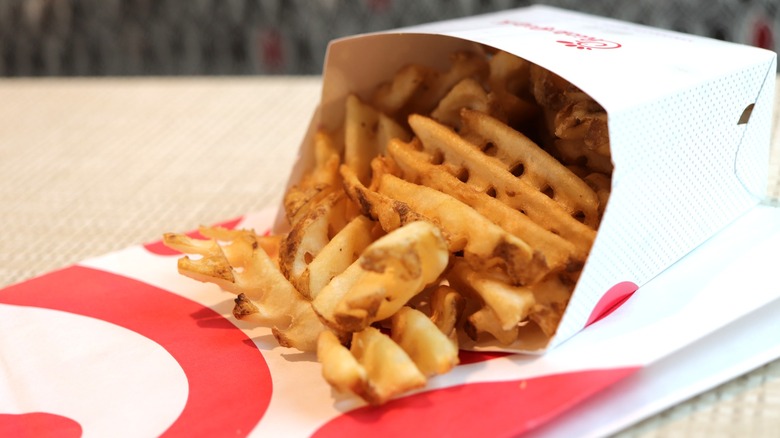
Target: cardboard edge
[{"x": 758, "y": 189}]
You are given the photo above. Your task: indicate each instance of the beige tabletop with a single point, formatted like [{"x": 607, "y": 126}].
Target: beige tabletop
[{"x": 88, "y": 166}]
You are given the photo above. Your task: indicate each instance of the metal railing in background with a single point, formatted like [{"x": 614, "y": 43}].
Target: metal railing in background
[{"x": 247, "y": 37}]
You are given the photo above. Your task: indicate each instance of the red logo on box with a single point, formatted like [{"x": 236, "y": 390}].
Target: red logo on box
[
  {"x": 581, "y": 41},
  {"x": 591, "y": 44}
]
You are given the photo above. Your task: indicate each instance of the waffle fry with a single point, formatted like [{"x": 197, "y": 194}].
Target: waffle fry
[
  {"x": 508, "y": 82},
  {"x": 338, "y": 254},
  {"x": 446, "y": 309},
  {"x": 375, "y": 368},
  {"x": 484, "y": 244},
  {"x": 339, "y": 367},
  {"x": 432, "y": 351},
  {"x": 551, "y": 295},
  {"x": 585, "y": 120},
  {"x": 392, "y": 96},
  {"x": 509, "y": 74},
  {"x": 417, "y": 166},
  {"x": 387, "y": 275},
  {"x": 539, "y": 169},
  {"x": 322, "y": 180},
  {"x": 242, "y": 267},
  {"x": 468, "y": 93},
  {"x": 510, "y": 304},
  {"x": 486, "y": 321},
  {"x": 506, "y": 308},
  {"x": 489, "y": 175},
  {"x": 577, "y": 125},
  {"x": 417, "y": 89},
  {"x": 601, "y": 184},
  {"x": 450, "y": 203},
  {"x": 366, "y": 132},
  {"x": 574, "y": 152},
  {"x": 551, "y": 91},
  {"x": 310, "y": 234}
]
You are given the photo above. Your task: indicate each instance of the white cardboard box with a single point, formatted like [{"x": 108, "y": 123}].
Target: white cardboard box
[{"x": 686, "y": 164}]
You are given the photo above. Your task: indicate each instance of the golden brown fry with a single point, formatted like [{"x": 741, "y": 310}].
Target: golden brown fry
[
  {"x": 303, "y": 330},
  {"x": 320, "y": 181},
  {"x": 468, "y": 93},
  {"x": 366, "y": 133},
  {"x": 375, "y": 368},
  {"x": 485, "y": 320},
  {"x": 550, "y": 90},
  {"x": 510, "y": 304},
  {"x": 338, "y": 254},
  {"x": 500, "y": 102},
  {"x": 418, "y": 167},
  {"x": 390, "y": 370},
  {"x": 213, "y": 265},
  {"x": 243, "y": 307},
  {"x": 339, "y": 367},
  {"x": 269, "y": 243},
  {"x": 602, "y": 185},
  {"x": 464, "y": 65},
  {"x": 489, "y": 175},
  {"x": 388, "y": 274},
  {"x": 575, "y": 152},
  {"x": 539, "y": 169},
  {"x": 551, "y": 296},
  {"x": 484, "y": 244},
  {"x": 254, "y": 276},
  {"x": 431, "y": 350},
  {"x": 390, "y": 213},
  {"x": 446, "y": 306},
  {"x": 585, "y": 120},
  {"x": 391, "y": 97},
  {"x": 309, "y": 236},
  {"x": 509, "y": 74},
  {"x": 509, "y": 81},
  {"x": 417, "y": 89},
  {"x": 578, "y": 132}
]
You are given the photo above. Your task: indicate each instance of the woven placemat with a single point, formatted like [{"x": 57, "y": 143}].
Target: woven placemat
[{"x": 89, "y": 166}]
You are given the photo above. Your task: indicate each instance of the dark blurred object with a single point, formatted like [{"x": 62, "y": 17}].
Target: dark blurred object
[{"x": 242, "y": 37}]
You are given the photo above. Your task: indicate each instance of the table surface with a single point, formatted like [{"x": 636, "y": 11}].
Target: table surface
[{"x": 89, "y": 166}]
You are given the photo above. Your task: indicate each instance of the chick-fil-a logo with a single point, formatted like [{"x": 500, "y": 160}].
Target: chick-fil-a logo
[{"x": 580, "y": 41}]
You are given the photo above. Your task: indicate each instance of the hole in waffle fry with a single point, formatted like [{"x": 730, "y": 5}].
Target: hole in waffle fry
[
  {"x": 437, "y": 158},
  {"x": 449, "y": 205},
  {"x": 490, "y": 149},
  {"x": 517, "y": 170},
  {"x": 332, "y": 231}
]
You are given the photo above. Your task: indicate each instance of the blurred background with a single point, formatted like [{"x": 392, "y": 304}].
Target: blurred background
[{"x": 250, "y": 37}]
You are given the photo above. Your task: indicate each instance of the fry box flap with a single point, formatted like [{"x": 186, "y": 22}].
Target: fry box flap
[{"x": 689, "y": 124}]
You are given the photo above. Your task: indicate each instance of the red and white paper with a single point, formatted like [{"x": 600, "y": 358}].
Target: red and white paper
[{"x": 123, "y": 345}]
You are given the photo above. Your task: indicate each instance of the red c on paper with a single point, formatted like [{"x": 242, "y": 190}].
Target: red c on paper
[{"x": 198, "y": 338}]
